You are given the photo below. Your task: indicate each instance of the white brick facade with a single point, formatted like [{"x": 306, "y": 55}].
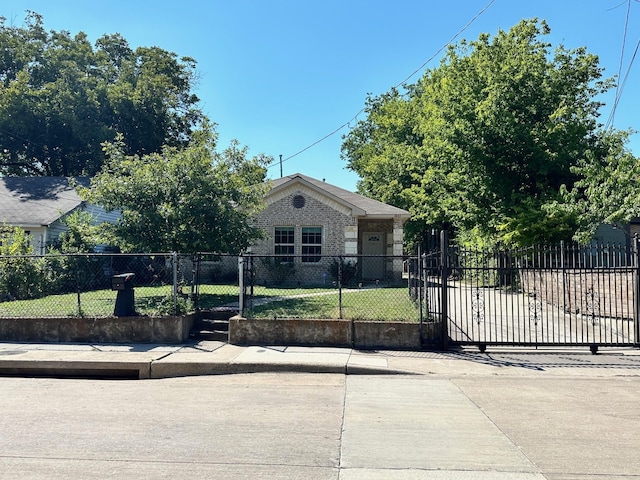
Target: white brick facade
[{"x": 299, "y": 201}]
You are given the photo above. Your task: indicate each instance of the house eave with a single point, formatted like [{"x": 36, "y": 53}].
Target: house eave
[{"x": 355, "y": 211}]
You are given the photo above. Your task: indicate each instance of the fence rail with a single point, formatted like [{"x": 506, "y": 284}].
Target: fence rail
[
  {"x": 560, "y": 295},
  {"x": 168, "y": 283},
  {"x": 81, "y": 284}
]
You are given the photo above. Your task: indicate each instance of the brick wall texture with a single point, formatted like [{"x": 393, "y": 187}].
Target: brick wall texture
[{"x": 317, "y": 211}]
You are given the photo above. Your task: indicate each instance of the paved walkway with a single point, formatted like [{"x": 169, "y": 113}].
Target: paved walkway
[{"x": 214, "y": 358}]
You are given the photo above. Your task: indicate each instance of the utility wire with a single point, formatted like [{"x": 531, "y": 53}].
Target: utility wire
[
  {"x": 275, "y": 163},
  {"x": 622, "y": 84},
  {"x": 618, "y": 85}
]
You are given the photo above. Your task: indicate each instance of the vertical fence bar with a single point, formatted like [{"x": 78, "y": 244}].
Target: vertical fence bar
[
  {"x": 241, "y": 292},
  {"x": 636, "y": 291},
  {"x": 419, "y": 286},
  {"x": 444, "y": 261},
  {"x": 174, "y": 262},
  {"x": 340, "y": 260},
  {"x": 195, "y": 286},
  {"x": 77, "y": 265}
]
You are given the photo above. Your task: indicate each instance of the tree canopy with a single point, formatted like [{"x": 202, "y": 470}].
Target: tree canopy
[
  {"x": 192, "y": 199},
  {"x": 488, "y": 141},
  {"x": 61, "y": 97}
]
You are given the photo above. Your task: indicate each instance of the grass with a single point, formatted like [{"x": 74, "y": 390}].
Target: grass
[
  {"x": 383, "y": 304},
  {"x": 366, "y": 304}
]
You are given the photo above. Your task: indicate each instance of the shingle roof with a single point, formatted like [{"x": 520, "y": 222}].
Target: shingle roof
[
  {"x": 36, "y": 201},
  {"x": 370, "y": 206}
]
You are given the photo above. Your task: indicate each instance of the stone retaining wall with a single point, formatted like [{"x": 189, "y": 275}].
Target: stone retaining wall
[
  {"x": 600, "y": 292},
  {"x": 139, "y": 329},
  {"x": 337, "y": 333}
]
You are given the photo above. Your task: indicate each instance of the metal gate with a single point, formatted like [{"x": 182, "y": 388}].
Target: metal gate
[{"x": 560, "y": 295}]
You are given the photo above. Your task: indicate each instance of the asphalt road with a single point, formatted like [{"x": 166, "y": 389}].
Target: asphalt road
[{"x": 325, "y": 426}]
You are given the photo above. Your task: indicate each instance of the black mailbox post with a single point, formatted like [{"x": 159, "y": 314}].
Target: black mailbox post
[{"x": 123, "y": 284}]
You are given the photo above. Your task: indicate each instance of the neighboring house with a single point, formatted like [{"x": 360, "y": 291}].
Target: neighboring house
[
  {"x": 38, "y": 205},
  {"x": 309, "y": 222}
]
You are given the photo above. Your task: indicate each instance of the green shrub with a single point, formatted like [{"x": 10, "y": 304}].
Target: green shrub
[
  {"x": 279, "y": 271},
  {"x": 349, "y": 271}
]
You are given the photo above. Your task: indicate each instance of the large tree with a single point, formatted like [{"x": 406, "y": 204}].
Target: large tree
[
  {"x": 486, "y": 141},
  {"x": 193, "y": 199},
  {"x": 61, "y": 97},
  {"x": 607, "y": 188}
]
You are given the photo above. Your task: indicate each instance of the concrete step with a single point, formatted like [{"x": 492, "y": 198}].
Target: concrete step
[
  {"x": 220, "y": 313},
  {"x": 212, "y": 325},
  {"x": 218, "y": 336}
]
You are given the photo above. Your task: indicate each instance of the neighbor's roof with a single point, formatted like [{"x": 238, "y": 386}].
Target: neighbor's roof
[
  {"x": 36, "y": 201},
  {"x": 368, "y": 206}
]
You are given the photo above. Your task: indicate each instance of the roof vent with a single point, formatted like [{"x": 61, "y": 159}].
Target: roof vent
[{"x": 298, "y": 201}]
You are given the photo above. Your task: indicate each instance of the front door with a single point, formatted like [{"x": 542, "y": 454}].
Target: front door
[{"x": 373, "y": 267}]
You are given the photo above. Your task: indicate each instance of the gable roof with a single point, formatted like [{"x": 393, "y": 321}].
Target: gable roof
[
  {"x": 361, "y": 205},
  {"x": 37, "y": 201}
]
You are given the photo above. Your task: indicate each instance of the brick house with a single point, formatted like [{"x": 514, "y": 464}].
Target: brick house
[{"x": 309, "y": 223}]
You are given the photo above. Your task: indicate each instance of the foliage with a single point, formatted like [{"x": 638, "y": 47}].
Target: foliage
[
  {"x": 279, "y": 272},
  {"x": 20, "y": 276},
  {"x": 343, "y": 272},
  {"x": 81, "y": 235},
  {"x": 61, "y": 97},
  {"x": 607, "y": 191},
  {"x": 487, "y": 140},
  {"x": 187, "y": 200}
]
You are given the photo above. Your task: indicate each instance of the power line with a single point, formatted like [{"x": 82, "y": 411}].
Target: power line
[
  {"x": 622, "y": 84},
  {"x": 618, "y": 88},
  {"x": 396, "y": 86}
]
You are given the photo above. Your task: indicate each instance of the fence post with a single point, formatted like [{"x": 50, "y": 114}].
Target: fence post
[
  {"x": 77, "y": 264},
  {"x": 174, "y": 261},
  {"x": 340, "y": 286},
  {"x": 444, "y": 302},
  {"x": 636, "y": 292},
  {"x": 420, "y": 263},
  {"x": 195, "y": 281},
  {"x": 241, "y": 285}
]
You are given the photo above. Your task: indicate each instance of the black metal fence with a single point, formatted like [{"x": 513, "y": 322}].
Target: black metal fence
[{"x": 558, "y": 295}]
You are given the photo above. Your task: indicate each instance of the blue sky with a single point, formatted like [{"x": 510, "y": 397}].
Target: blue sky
[{"x": 279, "y": 75}]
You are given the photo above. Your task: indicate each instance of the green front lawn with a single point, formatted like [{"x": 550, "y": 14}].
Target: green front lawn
[{"x": 366, "y": 304}]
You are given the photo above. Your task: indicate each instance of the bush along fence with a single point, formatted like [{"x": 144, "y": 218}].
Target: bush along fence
[{"x": 82, "y": 285}]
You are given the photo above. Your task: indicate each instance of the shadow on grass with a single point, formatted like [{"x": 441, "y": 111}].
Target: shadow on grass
[
  {"x": 207, "y": 301},
  {"x": 293, "y": 308}
]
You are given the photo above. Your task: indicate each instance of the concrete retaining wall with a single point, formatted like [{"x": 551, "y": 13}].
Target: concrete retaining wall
[
  {"x": 338, "y": 333},
  {"x": 244, "y": 331},
  {"x": 97, "y": 330}
]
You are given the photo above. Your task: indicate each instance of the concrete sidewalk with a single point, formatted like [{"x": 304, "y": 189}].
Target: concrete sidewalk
[{"x": 217, "y": 358}]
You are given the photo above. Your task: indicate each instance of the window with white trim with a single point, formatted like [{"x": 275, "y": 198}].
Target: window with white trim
[
  {"x": 311, "y": 244},
  {"x": 283, "y": 240}
]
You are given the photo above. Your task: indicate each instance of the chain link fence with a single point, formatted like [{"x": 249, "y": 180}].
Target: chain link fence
[
  {"x": 82, "y": 285},
  {"x": 354, "y": 287}
]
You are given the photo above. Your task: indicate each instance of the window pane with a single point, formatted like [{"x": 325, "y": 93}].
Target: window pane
[
  {"x": 283, "y": 235},
  {"x": 311, "y": 244},
  {"x": 283, "y": 240}
]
